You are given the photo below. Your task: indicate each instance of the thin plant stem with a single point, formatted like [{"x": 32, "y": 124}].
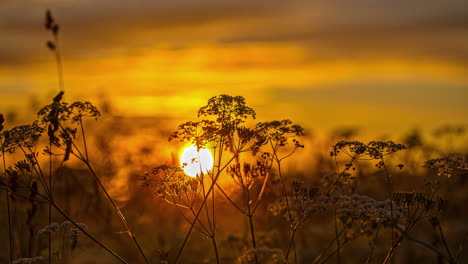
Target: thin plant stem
[
  {"x": 25, "y": 197},
  {"x": 339, "y": 177},
  {"x": 58, "y": 59},
  {"x": 294, "y": 251},
  {"x": 88, "y": 234},
  {"x": 230, "y": 200},
  {"x": 426, "y": 245},
  {"x": 390, "y": 187},
  {"x": 215, "y": 248},
  {"x": 116, "y": 208},
  {"x": 50, "y": 205},
  {"x": 206, "y": 208},
  {"x": 333, "y": 252},
  {"x": 374, "y": 241},
  {"x": 84, "y": 138},
  {"x": 262, "y": 190},
  {"x": 283, "y": 185},
  {"x": 205, "y": 198},
  {"x": 291, "y": 240},
  {"x": 460, "y": 248},
  {"x": 337, "y": 239},
  {"x": 331, "y": 243},
  {"x": 252, "y": 234},
  {"x": 444, "y": 242},
  {"x": 10, "y": 235}
]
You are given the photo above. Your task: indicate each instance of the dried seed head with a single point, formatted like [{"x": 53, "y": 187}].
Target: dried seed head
[
  {"x": 50, "y": 45},
  {"x": 2, "y": 120},
  {"x": 58, "y": 97},
  {"x": 49, "y": 20}
]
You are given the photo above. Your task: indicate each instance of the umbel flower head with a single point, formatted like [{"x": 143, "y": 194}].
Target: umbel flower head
[
  {"x": 279, "y": 132},
  {"x": 25, "y": 136},
  {"x": 58, "y": 111},
  {"x": 372, "y": 150},
  {"x": 224, "y": 114},
  {"x": 170, "y": 181},
  {"x": 447, "y": 166}
]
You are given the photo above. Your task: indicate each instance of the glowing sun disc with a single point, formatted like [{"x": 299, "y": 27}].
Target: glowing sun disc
[{"x": 194, "y": 161}]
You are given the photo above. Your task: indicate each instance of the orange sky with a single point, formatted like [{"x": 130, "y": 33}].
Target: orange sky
[{"x": 381, "y": 65}]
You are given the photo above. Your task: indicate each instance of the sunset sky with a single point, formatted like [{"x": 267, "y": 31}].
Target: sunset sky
[{"x": 381, "y": 65}]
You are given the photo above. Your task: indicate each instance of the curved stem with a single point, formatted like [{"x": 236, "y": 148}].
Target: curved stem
[
  {"x": 88, "y": 234},
  {"x": 117, "y": 210},
  {"x": 426, "y": 245}
]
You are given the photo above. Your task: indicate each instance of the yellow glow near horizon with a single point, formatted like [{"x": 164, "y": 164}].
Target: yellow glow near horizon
[{"x": 194, "y": 162}]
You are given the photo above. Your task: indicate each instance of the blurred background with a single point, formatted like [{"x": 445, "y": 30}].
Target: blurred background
[
  {"x": 382, "y": 66},
  {"x": 361, "y": 69}
]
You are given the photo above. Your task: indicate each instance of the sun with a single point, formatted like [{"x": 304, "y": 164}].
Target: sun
[{"x": 194, "y": 161}]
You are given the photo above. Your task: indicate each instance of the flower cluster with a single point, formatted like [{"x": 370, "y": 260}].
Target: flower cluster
[
  {"x": 28, "y": 260},
  {"x": 67, "y": 227},
  {"x": 372, "y": 150},
  {"x": 378, "y": 149},
  {"x": 25, "y": 136},
  {"x": 172, "y": 184},
  {"x": 68, "y": 230},
  {"x": 53, "y": 27},
  {"x": 366, "y": 213},
  {"x": 228, "y": 110},
  {"x": 62, "y": 111},
  {"x": 304, "y": 196},
  {"x": 264, "y": 255},
  {"x": 447, "y": 166},
  {"x": 409, "y": 199},
  {"x": 224, "y": 115},
  {"x": 280, "y": 131},
  {"x": 361, "y": 213},
  {"x": 247, "y": 174},
  {"x": 302, "y": 204}
]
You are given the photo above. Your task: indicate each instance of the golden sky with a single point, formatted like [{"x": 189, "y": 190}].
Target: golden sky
[{"x": 381, "y": 65}]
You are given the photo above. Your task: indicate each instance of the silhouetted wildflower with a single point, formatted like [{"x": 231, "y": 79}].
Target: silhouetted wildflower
[
  {"x": 247, "y": 174},
  {"x": 280, "y": 131},
  {"x": 350, "y": 148},
  {"x": 25, "y": 136},
  {"x": 28, "y": 260},
  {"x": 447, "y": 166},
  {"x": 171, "y": 183},
  {"x": 379, "y": 149},
  {"x": 224, "y": 115}
]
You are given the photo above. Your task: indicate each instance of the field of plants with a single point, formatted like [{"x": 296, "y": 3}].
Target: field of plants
[{"x": 81, "y": 185}]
